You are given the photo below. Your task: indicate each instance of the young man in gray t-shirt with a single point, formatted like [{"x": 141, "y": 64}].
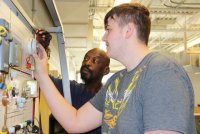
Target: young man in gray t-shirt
[{"x": 153, "y": 95}]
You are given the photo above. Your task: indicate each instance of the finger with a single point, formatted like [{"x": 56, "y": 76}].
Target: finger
[
  {"x": 39, "y": 46},
  {"x": 35, "y": 56},
  {"x": 41, "y": 51},
  {"x": 37, "y": 31},
  {"x": 43, "y": 32},
  {"x": 46, "y": 37}
]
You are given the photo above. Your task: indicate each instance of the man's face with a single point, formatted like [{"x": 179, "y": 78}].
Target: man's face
[
  {"x": 113, "y": 37},
  {"x": 93, "y": 66}
]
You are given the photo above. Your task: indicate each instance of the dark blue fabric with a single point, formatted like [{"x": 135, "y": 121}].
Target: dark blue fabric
[{"x": 79, "y": 96}]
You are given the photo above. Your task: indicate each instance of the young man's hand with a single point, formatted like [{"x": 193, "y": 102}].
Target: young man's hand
[{"x": 41, "y": 61}]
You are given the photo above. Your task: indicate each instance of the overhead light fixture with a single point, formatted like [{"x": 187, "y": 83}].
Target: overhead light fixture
[
  {"x": 178, "y": 49},
  {"x": 190, "y": 44},
  {"x": 118, "y": 2},
  {"x": 194, "y": 42},
  {"x": 197, "y": 73}
]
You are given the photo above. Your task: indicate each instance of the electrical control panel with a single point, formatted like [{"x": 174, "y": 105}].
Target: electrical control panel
[
  {"x": 4, "y": 55},
  {"x": 18, "y": 90},
  {"x": 4, "y": 23},
  {"x": 16, "y": 106},
  {"x": 4, "y": 46},
  {"x": 15, "y": 54}
]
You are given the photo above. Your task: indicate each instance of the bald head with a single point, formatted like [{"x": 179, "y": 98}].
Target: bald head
[
  {"x": 95, "y": 65},
  {"x": 102, "y": 54}
]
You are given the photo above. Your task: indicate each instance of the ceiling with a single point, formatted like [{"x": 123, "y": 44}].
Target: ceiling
[{"x": 175, "y": 23}]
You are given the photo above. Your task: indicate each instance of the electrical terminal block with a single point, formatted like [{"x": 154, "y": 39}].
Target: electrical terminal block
[
  {"x": 17, "y": 127},
  {"x": 22, "y": 125},
  {"x": 11, "y": 130},
  {"x": 29, "y": 122}
]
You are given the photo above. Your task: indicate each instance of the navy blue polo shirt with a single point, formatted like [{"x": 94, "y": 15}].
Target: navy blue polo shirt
[{"x": 79, "y": 96}]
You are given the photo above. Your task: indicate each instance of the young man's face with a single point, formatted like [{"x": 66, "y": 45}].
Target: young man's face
[
  {"x": 113, "y": 37},
  {"x": 93, "y": 66}
]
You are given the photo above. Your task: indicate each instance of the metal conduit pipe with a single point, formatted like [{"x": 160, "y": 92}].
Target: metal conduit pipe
[
  {"x": 178, "y": 5},
  {"x": 33, "y": 10},
  {"x": 185, "y": 37},
  {"x": 182, "y": 3}
]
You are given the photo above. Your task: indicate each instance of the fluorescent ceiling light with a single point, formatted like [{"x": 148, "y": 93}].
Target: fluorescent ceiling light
[
  {"x": 190, "y": 44},
  {"x": 118, "y": 2},
  {"x": 178, "y": 49},
  {"x": 194, "y": 42},
  {"x": 197, "y": 73}
]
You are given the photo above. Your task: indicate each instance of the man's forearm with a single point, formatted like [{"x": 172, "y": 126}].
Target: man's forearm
[
  {"x": 74, "y": 121},
  {"x": 62, "y": 110}
]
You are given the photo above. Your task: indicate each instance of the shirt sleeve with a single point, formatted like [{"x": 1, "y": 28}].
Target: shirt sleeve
[
  {"x": 98, "y": 100},
  {"x": 58, "y": 83},
  {"x": 166, "y": 102}
]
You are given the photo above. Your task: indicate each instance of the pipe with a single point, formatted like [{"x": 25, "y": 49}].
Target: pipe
[
  {"x": 185, "y": 37},
  {"x": 178, "y": 6},
  {"x": 33, "y": 10},
  {"x": 182, "y": 3}
]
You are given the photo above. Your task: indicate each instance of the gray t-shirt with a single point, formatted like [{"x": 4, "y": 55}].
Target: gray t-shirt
[{"x": 156, "y": 95}]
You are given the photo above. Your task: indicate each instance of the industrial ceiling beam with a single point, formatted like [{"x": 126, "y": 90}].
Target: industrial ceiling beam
[{"x": 174, "y": 11}]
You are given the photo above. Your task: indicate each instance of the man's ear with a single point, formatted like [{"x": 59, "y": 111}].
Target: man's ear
[
  {"x": 106, "y": 70},
  {"x": 130, "y": 29}
]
